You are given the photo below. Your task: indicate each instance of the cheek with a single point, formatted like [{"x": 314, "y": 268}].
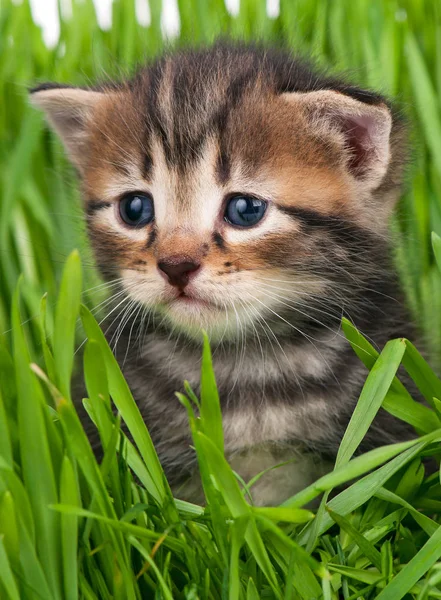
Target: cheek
[
  {"x": 272, "y": 250},
  {"x": 225, "y": 265},
  {"x": 114, "y": 252},
  {"x": 233, "y": 266},
  {"x": 286, "y": 250},
  {"x": 141, "y": 286},
  {"x": 271, "y": 244}
]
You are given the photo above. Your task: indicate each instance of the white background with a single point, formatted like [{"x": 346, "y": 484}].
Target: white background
[{"x": 45, "y": 14}]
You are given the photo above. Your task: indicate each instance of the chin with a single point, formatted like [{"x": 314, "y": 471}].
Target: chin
[{"x": 191, "y": 318}]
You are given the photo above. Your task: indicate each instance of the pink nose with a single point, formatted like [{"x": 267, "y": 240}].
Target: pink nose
[{"x": 178, "y": 269}]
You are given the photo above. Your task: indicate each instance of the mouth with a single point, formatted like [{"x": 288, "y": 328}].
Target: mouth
[{"x": 187, "y": 299}]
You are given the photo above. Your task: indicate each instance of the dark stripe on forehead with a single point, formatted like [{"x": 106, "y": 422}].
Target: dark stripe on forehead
[
  {"x": 154, "y": 119},
  {"x": 147, "y": 166},
  {"x": 200, "y": 105},
  {"x": 238, "y": 86},
  {"x": 223, "y": 166}
]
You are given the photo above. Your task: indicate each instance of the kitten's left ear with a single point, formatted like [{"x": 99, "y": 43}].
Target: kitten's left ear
[
  {"x": 68, "y": 110},
  {"x": 361, "y": 130}
]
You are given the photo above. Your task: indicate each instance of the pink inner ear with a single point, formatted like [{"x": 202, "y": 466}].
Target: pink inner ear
[
  {"x": 363, "y": 128},
  {"x": 358, "y": 132}
]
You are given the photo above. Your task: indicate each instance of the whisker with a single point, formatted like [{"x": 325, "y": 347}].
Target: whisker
[
  {"x": 260, "y": 346},
  {"x": 126, "y": 317},
  {"x": 293, "y": 303},
  {"x": 134, "y": 319},
  {"x": 302, "y": 333},
  {"x": 241, "y": 356},
  {"x": 266, "y": 325}
]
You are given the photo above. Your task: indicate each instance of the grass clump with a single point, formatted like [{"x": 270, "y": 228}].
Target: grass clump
[{"x": 73, "y": 528}]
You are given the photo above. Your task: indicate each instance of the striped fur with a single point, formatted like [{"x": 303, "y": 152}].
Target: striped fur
[{"x": 192, "y": 129}]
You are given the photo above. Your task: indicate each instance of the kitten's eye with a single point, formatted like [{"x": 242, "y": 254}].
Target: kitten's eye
[
  {"x": 244, "y": 211},
  {"x": 136, "y": 210}
]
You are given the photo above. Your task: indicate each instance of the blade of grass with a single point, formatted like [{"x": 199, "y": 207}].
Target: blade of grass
[
  {"x": 364, "y": 545},
  {"x": 354, "y": 468},
  {"x": 426, "y": 523},
  {"x": 8, "y": 526},
  {"x": 128, "y": 529},
  {"x": 211, "y": 415},
  {"x": 374, "y": 390},
  {"x": 66, "y": 314},
  {"x": 427, "y": 104},
  {"x": 123, "y": 399},
  {"x": 421, "y": 373},
  {"x": 36, "y": 461},
  {"x": 398, "y": 401},
  {"x": 237, "y": 529},
  {"x": 7, "y": 578},
  {"x": 5, "y": 440},
  {"x": 69, "y": 530},
  {"x": 165, "y": 589},
  {"x": 412, "y": 572}
]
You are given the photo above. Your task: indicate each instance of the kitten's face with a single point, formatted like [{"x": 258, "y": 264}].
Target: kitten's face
[
  {"x": 222, "y": 214},
  {"x": 242, "y": 267}
]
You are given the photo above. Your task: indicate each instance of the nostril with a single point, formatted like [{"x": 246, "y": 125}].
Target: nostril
[
  {"x": 172, "y": 269},
  {"x": 178, "y": 271}
]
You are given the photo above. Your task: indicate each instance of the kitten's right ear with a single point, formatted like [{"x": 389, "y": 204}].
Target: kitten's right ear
[{"x": 68, "y": 111}]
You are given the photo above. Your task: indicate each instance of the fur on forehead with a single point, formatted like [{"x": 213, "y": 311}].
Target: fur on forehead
[{"x": 229, "y": 91}]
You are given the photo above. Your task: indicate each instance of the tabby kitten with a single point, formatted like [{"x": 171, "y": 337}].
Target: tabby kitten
[{"x": 239, "y": 190}]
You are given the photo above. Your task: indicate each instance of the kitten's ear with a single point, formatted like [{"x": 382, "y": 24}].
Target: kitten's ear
[
  {"x": 362, "y": 130},
  {"x": 68, "y": 111}
]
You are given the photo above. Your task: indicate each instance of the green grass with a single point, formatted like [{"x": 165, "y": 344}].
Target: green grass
[{"x": 71, "y": 528}]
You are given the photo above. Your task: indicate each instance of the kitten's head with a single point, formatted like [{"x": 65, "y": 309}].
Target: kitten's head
[{"x": 232, "y": 186}]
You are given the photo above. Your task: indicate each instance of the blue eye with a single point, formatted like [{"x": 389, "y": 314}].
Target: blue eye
[
  {"x": 136, "y": 210},
  {"x": 245, "y": 211}
]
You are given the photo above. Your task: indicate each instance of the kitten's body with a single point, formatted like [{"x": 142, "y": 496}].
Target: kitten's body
[
  {"x": 194, "y": 131},
  {"x": 296, "y": 406}
]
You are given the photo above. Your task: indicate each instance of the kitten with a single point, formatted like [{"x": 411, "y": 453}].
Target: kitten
[{"x": 239, "y": 190}]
